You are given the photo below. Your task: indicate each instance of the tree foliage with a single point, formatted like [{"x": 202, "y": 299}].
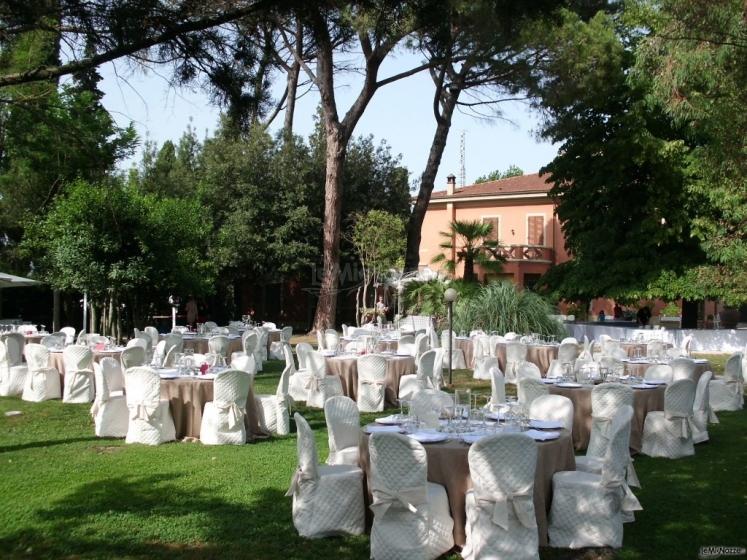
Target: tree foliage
[
  {"x": 470, "y": 243},
  {"x": 511, "y": 171}
]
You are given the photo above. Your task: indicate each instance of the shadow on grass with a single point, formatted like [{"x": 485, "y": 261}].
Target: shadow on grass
[
  {"x": 49, "y": 443},
  {"x": 156, "y": 517}
]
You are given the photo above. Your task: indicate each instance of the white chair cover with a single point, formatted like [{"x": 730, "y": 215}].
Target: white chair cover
[
  {"x": 425, "y": 378},
  {"x": 683, "y": 368},
  {"x": 150, "y": 419},
  {"x": 321, "y": 386},
  {"x": 219, "y": 345},
  {"x": 483, "y": 367},
  {"x": 152, "y": 332},
  {"x": 274, "y": 415},
  {"x": 406, "y": 345},
  {"x": 79, "y": 383},
  {"x": 12, "y": 375},
  {"x": 261, "y": 353},
  {"x": 497, "y": 386},
  {"x": 501, "y": 521},
  {"x": 528, "y": 370},
  {"x": 133, "y": 356},
  {"x": 495, "y": 339},
  {"x": 569, "y": 340},
  {"x": 702, "y": 413},
  {"x": 553, "y": 407},
  {"x": 69, "y": 334},
  {"x": 727, "y": 392},
  {"x": 299, "y": 378},
  {"x": 343, "y": 429},
  {"x": 371, "y": 378},
  {"x": 529, "y": 389},
  {"x": 669, "y": 433},
  {"x": 516, "y": 354},
  {"x": 589, "y": 509},
  {"x": 659, "y": 372},
  {"x": 568, "y": 352},
  {"x": 331, "y": 340},
  {"x": 457, "y": 356},
  {"x": 109, "y": 410},
  {"x": 320, "y": 341},
  {"x": 54, "y": 341},
  {"x": 327, "y": 499},
  {"x": 223, "y": 417},
  {"x": 42, "y": 382},
  {"x": 606, "y": 400},
  {"x": 427, "y": 405},
  {"x": 411, "y": 515}
]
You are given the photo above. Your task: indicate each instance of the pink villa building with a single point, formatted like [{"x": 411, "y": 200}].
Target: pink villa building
[{"x": 523, "y": 218}]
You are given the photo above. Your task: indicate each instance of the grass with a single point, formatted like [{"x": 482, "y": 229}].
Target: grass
[{"x": 67, "y": 494}]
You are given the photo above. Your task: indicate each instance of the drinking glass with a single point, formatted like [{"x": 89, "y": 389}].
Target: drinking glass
[{"x": 462, "y": 406}]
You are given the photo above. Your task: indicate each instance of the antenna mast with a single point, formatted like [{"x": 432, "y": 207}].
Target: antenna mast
[{"x": 462, "y": 158}]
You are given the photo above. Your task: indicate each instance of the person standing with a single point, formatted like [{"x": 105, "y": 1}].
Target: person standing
[{"x": 191, "y": 309}]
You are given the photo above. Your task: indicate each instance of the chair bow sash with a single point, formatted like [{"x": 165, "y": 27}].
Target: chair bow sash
[
  {"x": 682, "y": 424},
  {"x": 521, "y": 502},
  {"x": 312, "y": 383},
  {"x": 619, "y": 488},
  {"x": 299, "y": 477},
  {"x": 379, "y": 382},
  {"x": 630, "y": 475},
  {"x": 603, "y": 423},
  {"x": 384, "y": 498},
  {"x": 232, "y": 411},
  {"x": 142, "y": 411}
]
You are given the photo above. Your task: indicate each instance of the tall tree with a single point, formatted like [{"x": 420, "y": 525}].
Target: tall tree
[
  {"x": 511, "y": 171},
  {"x": 468, "y": 243}
]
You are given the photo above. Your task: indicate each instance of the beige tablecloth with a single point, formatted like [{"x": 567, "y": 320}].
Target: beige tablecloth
[
  {"x": 539, "y": 354},
  {"x": 639, "y": 368},
  {"x": 631, "y": 348},
  {"x": 200, "y": 344},
  {"x": 187, "y": 397},
  {"x": 448, "y": 465},
  {"x": 56, "y": 361},
  {"x": 346, "y": 368},
  {"x": 644, "y": 401},
  {"x": 465, "y": 345}
]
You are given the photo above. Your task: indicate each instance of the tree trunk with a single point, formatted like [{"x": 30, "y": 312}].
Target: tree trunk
[
  {"x": 428, "y": 179},
  {"x": 469, "y": 269},
  {"x": 292, "y": 84},
  {"x": 326, "y": 308}
]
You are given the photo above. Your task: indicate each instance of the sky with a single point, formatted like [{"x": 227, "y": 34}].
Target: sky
[{"x": 399, "y": 113}]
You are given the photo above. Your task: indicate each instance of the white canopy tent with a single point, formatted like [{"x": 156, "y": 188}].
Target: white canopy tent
[{"x": 11, "y": 281}]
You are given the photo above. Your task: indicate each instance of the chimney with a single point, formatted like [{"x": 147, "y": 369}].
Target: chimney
[{"x": 450, "y": 184}]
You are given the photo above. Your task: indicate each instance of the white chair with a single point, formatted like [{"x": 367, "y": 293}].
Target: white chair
[
  {"x": 79, "y": 383},
  {"x": 497, "y": 386},
  {"x": 586, "y": 353},
  {"x": 137, "y": 341},
  {"x": 276, "y": 348},
  {"x": 425, "y": 378},
  {"x": 527, "y": 370},
  {"x": 655, "y": 349},
  {"x": 516, "y": 354},
  {"x": 320, "y": 386},
  {"x": 133, "y": 356},
  {"x": 242, "y": 362},
  {"x": 82, "y": 337},
  {"x": 457, "y": 356},
  {"x": 683, "y": 350},
  {"x": 223, "y": 417},
  {"x": 683, "y": 368},
  {"x": 406, "y": 345},
  {"x": 371, "y": 378},
  {"x": 274, "y": 415},
  {"x": 702, "y": 413},
  {"x": 421, "y": 345},
  {"x": 343, "y": 429},
  {"x": 69, "y": 334},
  {"x": 327, "y": 499},
  {"x": 427, "y": 405},
  {"x": 12, "y": 374},
  {"x": 152, "y": 332},
  {"x": 495, "y": 339},
  {"x": 568, "y": 352},
  {"x": 510, "y": 335},
  {"x": 263, "y": 334},
  {"x": 529, "y": 389},
  {"x": 659, "y": 372},
  {"x": 483, "y": 367},
  {"x": 173, "y": 344},
  {"x": 727, "y": 392},
  {"x": 109, "y": 410},
  {"x": 606, "y": 400},
  {"x": 53, "y": 342},
  {"x": 569, "y": 340},
  {"x": 210, "y": 325},
  {"x": 588, "y": 510},
  {"x": 42, "y": 382},
  {"x": 483, "y": 360},
  {"x": 320, "y": 342},
  {"x": 331, "y": 340},
  {"x": 411, "y": 515},
  {"x": 299, "y": 377},
  {"x": 553, "y": 407},
  {"x": 219, "y": 347},
  {"x": 501, "y": 521},
  {"x": 668, "y": 433},
  {"x": 250, "y": 343},
  {"x": 150, "y": 419}
]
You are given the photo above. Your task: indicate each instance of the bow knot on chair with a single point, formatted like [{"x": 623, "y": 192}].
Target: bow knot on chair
[
  {"x": 681, "y": 424},
  {"x": 312, "y": 383},
  {"x": 521, "y": 502},
  {"x": 299, "y": 477},
  {"x": 143, "y": 411},
  {"x": 384, "y": 498},
  {"x": 619, "y": 488},
  {"x": 232, "y": 411}
]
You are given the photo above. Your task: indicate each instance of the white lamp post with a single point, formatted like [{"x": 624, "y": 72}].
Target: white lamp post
[{"x": 450, "y": 296}]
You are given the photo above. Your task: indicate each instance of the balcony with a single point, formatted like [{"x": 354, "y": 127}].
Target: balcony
[{"x": 524, "y": 253}]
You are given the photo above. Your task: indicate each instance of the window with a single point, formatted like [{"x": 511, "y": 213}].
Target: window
[
  {"x": 535, "y": 230},
  {"x": 496, "y": 222}
]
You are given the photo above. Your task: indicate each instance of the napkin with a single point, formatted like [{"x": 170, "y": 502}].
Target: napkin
[
  {"x": 542, "y": 436},
  {"x": 372, "y": 428},
  {"x": 545, "y": 424},
  {"x": 427, "y": 436}
]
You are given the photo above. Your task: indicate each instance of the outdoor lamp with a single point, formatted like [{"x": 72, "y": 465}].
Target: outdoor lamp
[{"x": 450, "y": 296}]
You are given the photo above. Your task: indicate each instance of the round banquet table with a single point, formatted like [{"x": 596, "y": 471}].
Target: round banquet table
[
  {"x": 187, "y": 397},
  {"x": 200, "y": 344},
  {"x": 448, "y": 465},
  {"x": 272, "y": 336},
  {"x": 346, "y": 368},
  {"x": 33, "y": 338},
  {"x": 381, "y": 345},
  {"x": 639, "y": 348},
  {"x": 644, "y": 401},
  {"x": 466, "y": 345},
  {"x": 56, "y": 361},
  {"x": 539, "y": 354},
  {"x": 639, "y": 367}
]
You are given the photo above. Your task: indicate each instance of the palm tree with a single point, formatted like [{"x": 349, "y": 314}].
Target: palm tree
[{"x": 473, "y": 246}]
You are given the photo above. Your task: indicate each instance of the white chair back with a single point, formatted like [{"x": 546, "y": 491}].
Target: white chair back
[
  {"x": 553, "y": 407},
  {"x": 567, "y": 352},
  {"x": 250, "y": 342},
  {"x": 606, "y": 400},
  {"x": 37, "y": 356},
  {"x": 343, "y": 423},
  {"x": 426, "y": 372},
  {"x": 14, "y": 344},
  {"x": 303, "y": 349},
  {"x": 331, "y": 340},
  {"x": 77, "y": 358},
  {"x": 406, "y": 345},
  {"x": 616, "y": 459},
  {"x": 288, "y": 355},
  {"x": 137, "y": 341},
  {"x": 69, "y": 334},
  {"x": 219, "y": 345},
  {"x": 427, "y": 404},
  {"x": 683, "y": 368},
  {"x": 320, "y": 340},
  {"x": 142, "y": 387},
  {"x": 53, "y": 342},
  {"x": 245, "y": 363},
  {"x": 306, "y": 447},
  {"x": 399, "y": 467},
  {"x": 679, "y": 398},
  {"x": 286, "y": 334},
  {"x": 733, "y": 368},
  {"x": 528, "y": 370},
  {"x": 132, "y": 356},
  {"x": 569, "y": 340},
  {"x": 529, "y": 389},
  {"x": 659, "y": 372},
  {"x": 152, "y": 332},
  {"x": 516, "y": 352},
  {"x": 497, "y": 386},
  {"x": 232, "y": 387}
]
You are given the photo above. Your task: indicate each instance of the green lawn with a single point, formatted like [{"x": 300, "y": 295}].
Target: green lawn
[{"x": 67, "y": 494}]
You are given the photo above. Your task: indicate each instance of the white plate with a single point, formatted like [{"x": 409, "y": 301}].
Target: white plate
[
  {"x": 545, "y": 424},
  {"x": 569, "y": 385},
  {"x": 542, "y": 436},
  {"x": 700, "y": 361},
  {"x": 373, "y": 428},
  {"x": 171, "y": 376},
  {"x": 643, "y": 386},
  {"x": 206, "y": 377},
  {"x": 391, "y": 419},
  {"x": 428, "y": 437},
  {"x": 655, "y": 382},
  {"x": 549, "y": 381},
  {"x": 474, "y": 437},
  {"x": 495, "y": 416}
]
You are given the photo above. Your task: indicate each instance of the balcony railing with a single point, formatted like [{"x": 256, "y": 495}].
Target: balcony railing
[{"x": 532, "y": 253}]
